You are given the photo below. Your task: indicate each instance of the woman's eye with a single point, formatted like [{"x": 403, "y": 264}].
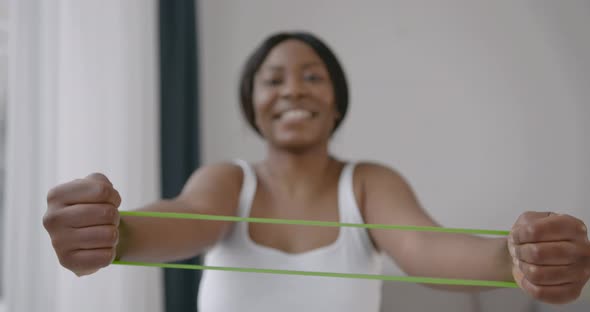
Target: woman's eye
[
  {"x": 272, "y": 81},
  {"x": 313, "y": 78}
]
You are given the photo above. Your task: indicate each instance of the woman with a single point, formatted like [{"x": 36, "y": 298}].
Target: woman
[{"x": 294, "y": 93}]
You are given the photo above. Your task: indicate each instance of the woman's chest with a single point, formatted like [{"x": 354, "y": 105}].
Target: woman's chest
[{"x": 294, "y": 238}]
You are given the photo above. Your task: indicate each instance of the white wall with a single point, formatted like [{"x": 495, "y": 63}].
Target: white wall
[{"x": 481, "y": 105}]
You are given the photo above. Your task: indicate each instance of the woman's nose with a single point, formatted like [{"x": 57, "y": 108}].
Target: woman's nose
[{"x": 293, "y": 88}]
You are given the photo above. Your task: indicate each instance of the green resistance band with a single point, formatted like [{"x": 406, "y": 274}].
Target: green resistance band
[{"x": 407, "y": 279}]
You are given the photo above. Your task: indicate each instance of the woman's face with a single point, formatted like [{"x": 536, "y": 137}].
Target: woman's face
[{"x": 294, "y": 97}]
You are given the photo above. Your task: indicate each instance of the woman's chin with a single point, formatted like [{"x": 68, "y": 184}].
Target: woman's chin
[{"x": 297, "y": 145}]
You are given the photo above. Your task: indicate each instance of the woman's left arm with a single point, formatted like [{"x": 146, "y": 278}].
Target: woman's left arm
[{"x": 537, "y": 243}]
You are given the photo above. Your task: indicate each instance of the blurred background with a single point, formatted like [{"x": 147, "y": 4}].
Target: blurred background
[{"x": 482, "y": 106}]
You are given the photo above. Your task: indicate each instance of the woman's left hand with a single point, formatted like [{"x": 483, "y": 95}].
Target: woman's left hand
[{"x": 551, "y": 256}]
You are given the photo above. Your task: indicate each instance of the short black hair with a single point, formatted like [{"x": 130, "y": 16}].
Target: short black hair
[{"x": 253, "y": 63}]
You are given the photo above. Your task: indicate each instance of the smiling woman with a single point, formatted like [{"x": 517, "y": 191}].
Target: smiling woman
[{"x": 294, "y": 94}]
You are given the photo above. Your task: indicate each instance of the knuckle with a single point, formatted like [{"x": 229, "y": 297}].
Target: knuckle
[
  {"x": 574, "y": 254},
  {"x": 518, "y": 252},
  {"x": 101, "y": 190},
  {"x": 108, "y": 211},
  {"x": 118, "y": 199},
  {"x": 55, "y": 195},
  {"x": 56, "y": 243},
  {"x": 98, "y": 176},
  {"x": 82, "y": 261},
  {"x": 104, "y": 258},
  {"x": 61, "y": 246},
  {"x": 112, "y": 213},
  {"x": 528, "y": 215},
  {"x": 532, "y": 232},
  {"x": 538, "y": 292},
  {"x": 116, "y": 216},
  {"x": 111, "y": 255},
  {"x": 535, "y": 253},
  {"x": 52, "y": 195},
  {"x": 570, "y": 218},
  {"x": 62, "y": 262},
  {"x": 102, "y": 234},
  {"x": 115, "y": 240},
  {"x": 113, "y": 235},
  {"x": 108, "y": 234},
  {"x": 535, "y": 275},
  {"x": 520, "y": 219},
  {"x": 582, "y": 229},
  {"x": 66, "y": 261},
  {"x": 49, "y": 220},
  {"x": 576, "y": 226}
]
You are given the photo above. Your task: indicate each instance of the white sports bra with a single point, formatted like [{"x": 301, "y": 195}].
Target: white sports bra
[{"x": 352, "y": 252}]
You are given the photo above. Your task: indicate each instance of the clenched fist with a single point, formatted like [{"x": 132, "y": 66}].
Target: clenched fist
[
  {"x": 551, "y": 255},
  {"x": 82, "y": 220}
]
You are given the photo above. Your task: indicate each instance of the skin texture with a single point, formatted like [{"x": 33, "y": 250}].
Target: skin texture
[{"x": 548, "y": 255}]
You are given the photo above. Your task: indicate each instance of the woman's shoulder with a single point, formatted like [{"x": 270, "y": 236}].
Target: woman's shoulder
[
  {"x": 379, "y": 186},
  {"x": 213, "y": 188},
  {"x": 226, "y": 174},
  {"x": 370, "y": 177},
  {"x": 222, "y": 168},
  {"x": 371, "y": 170}
]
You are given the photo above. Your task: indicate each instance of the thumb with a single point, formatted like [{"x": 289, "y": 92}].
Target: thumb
[
  {"x": 530, "y": 216},
  {"x": 113, "y": 197},
  {"x": 99, "y": 177}
]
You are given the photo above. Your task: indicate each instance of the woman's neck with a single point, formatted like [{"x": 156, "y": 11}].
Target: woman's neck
[{"x": 297, "y": 174}]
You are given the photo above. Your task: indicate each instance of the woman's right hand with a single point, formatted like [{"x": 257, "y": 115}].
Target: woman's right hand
[{"x": 82, "y": 220}]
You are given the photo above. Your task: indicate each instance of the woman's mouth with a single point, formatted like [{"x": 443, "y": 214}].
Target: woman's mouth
[{"x": 294, "y": 115}]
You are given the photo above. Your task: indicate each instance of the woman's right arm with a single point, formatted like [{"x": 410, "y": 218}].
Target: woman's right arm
[{"x": 87, "y": 232}]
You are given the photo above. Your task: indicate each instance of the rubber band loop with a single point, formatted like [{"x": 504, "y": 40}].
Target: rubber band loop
[
  {"x": 407, "y": 279},
  {"x": 195, "y": 216}
]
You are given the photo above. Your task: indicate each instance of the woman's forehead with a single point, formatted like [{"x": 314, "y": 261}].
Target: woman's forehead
[{"x": 291, "y": 53}]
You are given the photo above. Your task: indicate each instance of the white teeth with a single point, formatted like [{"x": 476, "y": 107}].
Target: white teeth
[{"x": 295, "y": 114}]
